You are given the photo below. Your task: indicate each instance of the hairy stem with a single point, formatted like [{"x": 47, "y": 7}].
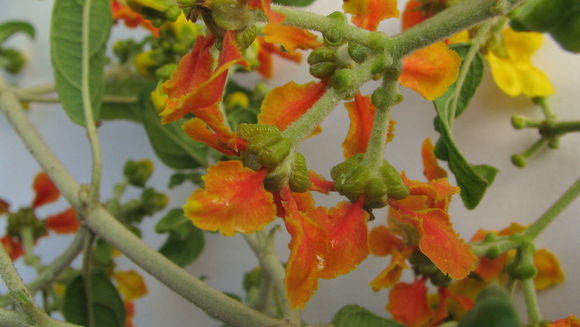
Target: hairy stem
[
  {"x": 541, "y": 223},
  {"x": 10, "y": 318}
]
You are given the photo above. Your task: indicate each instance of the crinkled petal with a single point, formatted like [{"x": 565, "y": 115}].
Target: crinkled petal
[
  {"x": 131, "y": 285},
  {"x": 383, "y": 242},
  {"x": 549, "y": 271},
  {"x": 408, "y": 303},
  {"x": 199, "y": 131},
  {"x": 265, "y": 52},
  {"x": 431, "y": 168},
  {"x": 319, "y": 183},
  {"x": 360, "y": 113},
  {"x": 287, "y": 103},
  {"x": 290, "y": 37},
  {"x": 44, "y": 189},
  {"x": 308, "y": 247},
  {"x": 65, "y": 222},
  {"x": 233, "y": 200},
  {"x": 570, "y": 321},
  {"x": 431, "y": 70},
  {"x": 488, "y": 268},
  {"x": 347, "y": 236},
  {"x": 391, "y": 275},
  {"x": 369, "y": 13}
]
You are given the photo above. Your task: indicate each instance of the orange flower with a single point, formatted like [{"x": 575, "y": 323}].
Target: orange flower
[
  {"x": 369, "y": 13},
  {"x": 233, "y": 200},
  {"x": 132, "y": 18},
  {"x": 45, "y": 190},
  {"x": 65, "y": 222}
]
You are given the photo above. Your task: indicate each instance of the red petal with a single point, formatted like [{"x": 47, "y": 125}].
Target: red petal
[
  {"x": 570, "y": 321},
  {"x": 12, "y": 247},
  {"x": 383, "y": 242},
  {"x": 65, "y": 222},
  {"x": 45, "y": 190},
  {"x": 233, "y": 200},
  {"x": 412, "y": 14},
  {"x": 431, "y": 168},
  {"x": 287, "y": 103},
  {"x": 361, "y": 113},
  {"x": 408, "y": 303},
  {"x": 391, "y": 275},
  {"x": 132, "y": 18},
  {"x": 319, "y": 184},
  {"x": 347, "y": 231}
]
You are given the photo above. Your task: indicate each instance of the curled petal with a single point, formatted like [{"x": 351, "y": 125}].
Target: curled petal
[
  {"x": 360, "y": 113},
  {"x": 45, "y": 190},
  {"x": 131, "y": 284},
  {"x": 290, "y": 37},
  {"x": 369, "y": 13},
  {"x": 431, "y": 168},
  {"x": 286, "y": 103},
  {"x": 233, "y": 200},
  {"x": 391, "y": 275},
  {"x": 65, "y": 222},
  {"x": 348, "y": 244},
  {"x": 431, "y": 70},
  {"x": 408, "y": 303},
  {"x": 549, "y": 271}
]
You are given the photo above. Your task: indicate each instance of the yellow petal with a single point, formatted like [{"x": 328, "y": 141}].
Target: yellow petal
[
  {"x": 131, "y": 284},
  {"x": 549, "y": 271},
  {"x": 521, "y": 45},
  {"x": 505, "y": 75}
]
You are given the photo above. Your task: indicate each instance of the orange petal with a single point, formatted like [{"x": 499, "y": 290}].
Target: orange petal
[
  {"x": 290, "y": 37},
  {"x": 360, "y": 113},
  {"x": 12, "y": 246},
  {"x": 131, "y": 284},
  {"x": 233, "y": 200},
  {"x": 440, "y": 243},
  {"x": 408, "y": 303},
  {"x": 65, "y": 222},
  {"x": 431, "y": 70},
  {"x": 570, "y": 321},
  {"x": 265, "y": 52},
  {"x": 45, "y": 190},
  {"x": 391, "y": 275},
  {"x": 265, "y": 6},
  {"x": 412, "y": 14},
  {"x": 549, "y": 271},
  {"x": 199, "y": 131},
  {"x": 369, "y": 13},
  {"x": 286, "y": 103},
  {"x": 347, "y": 231},
  {"x": 319, "y": 183},
  {"x": 431, "y": 168},
  {"x": 488, "y": 268},
  {"x": 307, "y": 250},
  {"x": 129, "y": 313},
  {"x": 383, "y": 242},
  {"x": 132, "y": 18},
  {"x": 194, "y": 87}
]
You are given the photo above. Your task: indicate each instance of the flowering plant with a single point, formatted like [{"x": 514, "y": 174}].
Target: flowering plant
[{"x": 239, "y": 148}]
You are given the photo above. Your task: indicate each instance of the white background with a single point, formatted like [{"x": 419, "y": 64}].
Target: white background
[{"x": 484, "y": 135}]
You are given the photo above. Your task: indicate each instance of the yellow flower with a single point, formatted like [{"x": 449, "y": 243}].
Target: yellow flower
[{"x": 512, "y": 67}]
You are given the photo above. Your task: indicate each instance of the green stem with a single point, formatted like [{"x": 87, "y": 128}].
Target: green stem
[
  {"x": 106, "y": 99},
  {"x": 446, "y": 23},
  {"x": 100, "y": 221},
  {"x": 531, "y": 299},
  {"x": 31, "y": 259},
  {"x": 13, "y": 281},
  {"x": 546, "y": 107},
  {"x": 541, "y": 223},
  {"x": 35, "y": 90},
  {"x": 553, "y": 128},
  {"x": 498, "y": 246},
  {"x": 87, "y": 279},
  {"x": 10, "y": 318},
  {"x": 93, "y": 196},
  {"x": 374, "y": 155},
  {"x": 520, "y": 159}
]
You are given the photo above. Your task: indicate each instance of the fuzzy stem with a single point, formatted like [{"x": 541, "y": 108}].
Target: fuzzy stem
[{"x": 10, "y": 318}]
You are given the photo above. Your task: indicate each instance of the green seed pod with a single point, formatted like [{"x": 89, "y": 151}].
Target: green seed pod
[
  {"x": 357, "y": 52},
  {"x": 539, "y": 15},
  {"x": 323, "y": 69},
  {"x": 321, "y": 54},
  {"x": 567, "y": 34},
  {"x": 138, "y": 172},
  {"x": 246, "y": 37},
  {"x": 299, "y": 180},
  {"x": 396, "y": 188},
  {"x": 262, "y": 141},
  {"x": 231, "y": 14},
  {"x": 273, "y": 154},
  {"x": 153, "y": 201}
]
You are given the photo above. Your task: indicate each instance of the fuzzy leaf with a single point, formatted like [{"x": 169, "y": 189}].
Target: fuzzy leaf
[
  {"x": 356, "y": 316},
  {"x": 67, "y": 53}
]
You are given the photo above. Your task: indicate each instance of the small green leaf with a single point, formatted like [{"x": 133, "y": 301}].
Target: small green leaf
[
  {"x": 472, "y": 179},
  {"x": 184, "y": 243},
  {"x": 179, "y": 178},
  {"x": 9, "y": 28},
  {"x": 252, "y": 279},
  {"x": 67, "y": 53},
  {"x": 294, "y": 3},
  {"x": 356, "y": 316},
  {"x": 493, "y": 308},
  {"x": 108, "y": 307},
  {"x": 169, "y": 141},
  {"x": 127, "y": 85}
]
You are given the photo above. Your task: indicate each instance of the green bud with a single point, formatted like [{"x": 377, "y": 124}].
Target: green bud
[
  {"x": 299, "y": 180},
  {"x": 490, "y": 237},
  {"x": 493, "y": 307},
  {"x": 342, "y": 80},
  {"x": 357, "y": 52},
  {"x": 153, "y": 201},
  {"x": 323, "y": 69},
  {"x": 396, "y": 187},
  {"x": 519, "y": 121},
  {"x": 493, "y": 252},
  {"x": 522, "y": 272},
  {"x": 179, "y": 48},
  {"x": 523, "y": 265},
  {"x": 440, "y": 280},
  {"x": 231, "y": 14},
  {"x": 25, "y": 218},
  {"x": 321, "y": 54},
  {"x": 519, "y": 160},
  {"x": 383, "y": 97},
  {"x": 250, "y": 131},
  {"x": 273, "y": 154},
  {"x": 12, "y": 60},
  {"x": 246, "y": 37},
  {"x": 138, "y": 172},
  {"x": 172, "y": 13}
]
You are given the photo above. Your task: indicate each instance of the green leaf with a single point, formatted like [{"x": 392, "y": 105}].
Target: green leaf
[
  {"x": 9, "y": 28},
  {"x": 493, "y": 308},
  {"x": 184, "y": 243},
  {"x": 179, "y": 178},
  {"x": 125, "y": 85},
  {"x": 294, "y": 3},
  {"x": 169, "y": 141},
  {"x": 67, "y": 53},
  {"x": 108, "y": 307},
  {"x": 356, "y": 316},
  {"x": 472, "y": 179}
]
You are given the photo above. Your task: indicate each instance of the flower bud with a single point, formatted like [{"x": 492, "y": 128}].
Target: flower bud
[
  {"x": 153, "y": 201},
  {"x": 231, "y": 14},
  {"x": 138, "y": 172}
]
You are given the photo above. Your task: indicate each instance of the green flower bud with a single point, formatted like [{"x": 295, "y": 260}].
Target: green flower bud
[
  {"x": 153, "y": 201},
  {"x": 323, "y": 69},
  {"x": 138, "y": 172},
  {"x": 25, "y": 218},
  {"x": 246, "y": 37},
  {"x": 231, "y": 14},
  {"x": 357, "y": 52},
  {"x": 12, "y": 60},
  {"x": 273, "y": 154},
  {"x": 440, "y": 280},
  {"x": 397, "y": 189},
  {"x": 299, "y": 180},
  {"x": 342, "y": 80},
  {"x": 493, "y": 307},
  {"x": 321, "y": 54}
]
